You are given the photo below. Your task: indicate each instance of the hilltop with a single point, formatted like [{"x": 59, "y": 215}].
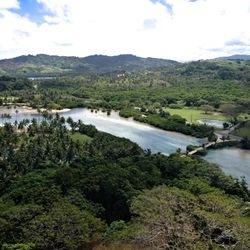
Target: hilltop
[
  {"x": 46, "y": 65},
  {"x": 235, "y": 57}
]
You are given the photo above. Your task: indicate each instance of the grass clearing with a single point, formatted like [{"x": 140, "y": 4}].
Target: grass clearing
[
  {"x": 80, "y": 137},
  {"x": 243, "y": 117},
  {"x": 243, "y": 131},
  {"x": 193, "y": 115}
]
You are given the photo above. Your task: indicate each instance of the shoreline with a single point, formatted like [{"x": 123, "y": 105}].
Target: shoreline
[
  {"x": 25, "y": 109},
  {"x": 29, "y": 110}
]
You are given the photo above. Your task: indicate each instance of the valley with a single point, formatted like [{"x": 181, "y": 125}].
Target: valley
[
  {"x": 124, "y": 125},
  {"x": 105, "y": 154}
]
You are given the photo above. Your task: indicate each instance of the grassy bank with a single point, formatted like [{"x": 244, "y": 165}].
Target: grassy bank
[
  {"x": 80, "y": 137},
  {"x": 168, "y": 122},
  {"x": 244, "y": 130},
  {"x": 193, "y": 115}
]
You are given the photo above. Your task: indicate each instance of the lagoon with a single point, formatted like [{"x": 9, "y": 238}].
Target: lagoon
[
  {"x": 148, "y": 137},
  {"x": 233, "y": 161}
]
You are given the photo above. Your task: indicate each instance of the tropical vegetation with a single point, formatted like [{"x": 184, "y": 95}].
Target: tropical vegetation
[{"x": 60, "y": 192}]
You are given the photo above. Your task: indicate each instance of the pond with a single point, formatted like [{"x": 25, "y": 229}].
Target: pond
[{"x": 213, "y": 123}]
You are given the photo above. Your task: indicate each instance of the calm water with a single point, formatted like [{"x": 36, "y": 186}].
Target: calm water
[
  {"x": 17, "y": 116},
  {"x": 146, "y": 136},
  {"x": 233, "y": 161},
  {"x": 214, "y": 123}
]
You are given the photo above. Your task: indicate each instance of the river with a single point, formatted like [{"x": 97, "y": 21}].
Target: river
[{"x": 233, "y": 161}]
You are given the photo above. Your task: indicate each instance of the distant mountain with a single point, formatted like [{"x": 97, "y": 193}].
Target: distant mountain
[
  {"x": 235, "y": 57},
  {"x": 45, "y": 65}
]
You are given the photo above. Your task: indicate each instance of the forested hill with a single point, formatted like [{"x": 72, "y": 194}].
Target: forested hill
[
  {"x": 205, "y": 70},
  {"x": 45, "y": 65},
  {"x": 235, "y": 57}
]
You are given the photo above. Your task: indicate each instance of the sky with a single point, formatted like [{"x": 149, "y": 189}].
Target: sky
[{"x": 181, "y": 30}]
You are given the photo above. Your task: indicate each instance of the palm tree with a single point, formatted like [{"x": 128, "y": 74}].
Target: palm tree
[
  {"x": 39, "y": 113},
  {"x": 16, "y": 111},
  {"x": 71, "y": 123}
]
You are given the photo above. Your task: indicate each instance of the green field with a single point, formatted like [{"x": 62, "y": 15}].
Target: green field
[
  {"x": 243, "y": 131},
  {"x": 243, "y": 117},
  {"x": 80, "y": 137},
  {"x": 192, "y": 115}
]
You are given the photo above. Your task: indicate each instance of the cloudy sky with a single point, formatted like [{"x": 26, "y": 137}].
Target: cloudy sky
[{"x": 174, "y": 29}]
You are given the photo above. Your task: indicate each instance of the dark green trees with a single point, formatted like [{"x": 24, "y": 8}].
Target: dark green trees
[{"x": 58, "y": 192}]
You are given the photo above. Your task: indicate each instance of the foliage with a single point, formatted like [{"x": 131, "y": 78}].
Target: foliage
[
  {"x": 59, "y": 193},
  {"x": 64, "y": 226},
  {"x": 115, "y": 231},
  {"x": 18, "y": 246},
  {"x": 178, "y": 124},
  {"x": 59, "y": 187},
  {"x": 245, "y": 142},
  {"x": 176, "y": 219},
  {"x": 166, "y": 121},
  {"x": 12, "y": 83},
  {"x": 45, "y": 65},
  {"x": 243, "y": 130},
  {"x": 80, "y": 138},
  {"x": 193, "y": 114},
  {"x": 193, "y": 84}
]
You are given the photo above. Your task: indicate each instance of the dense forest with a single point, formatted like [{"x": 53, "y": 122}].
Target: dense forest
[
  {"x": 85, "y": 189},
  {"x": 211, "y": 86},
  {"x": 65, "y": 185},
  {"x": 45, "y": 65},
  {"x": 192, "y": 84}
]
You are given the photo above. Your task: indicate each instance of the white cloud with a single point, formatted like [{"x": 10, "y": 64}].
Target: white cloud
[
  {"x": 193, "y": 30},
  {"x": 16, "y": 33},
  {"x": 9, "y": 4}
]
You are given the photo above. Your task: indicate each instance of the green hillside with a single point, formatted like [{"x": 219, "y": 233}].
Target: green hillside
[{"x": 45, "y": 65}]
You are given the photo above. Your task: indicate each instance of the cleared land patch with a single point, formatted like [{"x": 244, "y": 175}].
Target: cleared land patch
[
  {"x": 244, "y": 130},
  {"x": 80, "y": 137},
  {"x": 193, "y": 115}
]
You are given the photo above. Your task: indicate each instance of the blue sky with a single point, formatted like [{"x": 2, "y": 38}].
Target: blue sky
[
  {"x": 176, "y": 29},
  {"x": 168, "y": 6},
  {"x": 32, "y": 9}
]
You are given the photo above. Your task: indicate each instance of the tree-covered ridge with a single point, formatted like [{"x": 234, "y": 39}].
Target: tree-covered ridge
[
  {"x": 212, "y": 70},
  {"x": 45, "y": 65},
  {"x": 57, "y": 192},
  {"x": 197, "y": 84},
  {"x": 211, "y": 86},
  {"x": 13, "y": 83},
  {"x": 235, "y": 57}
]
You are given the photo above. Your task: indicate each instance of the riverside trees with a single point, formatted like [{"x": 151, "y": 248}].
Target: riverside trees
[{"x": 60, "y": 193}]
